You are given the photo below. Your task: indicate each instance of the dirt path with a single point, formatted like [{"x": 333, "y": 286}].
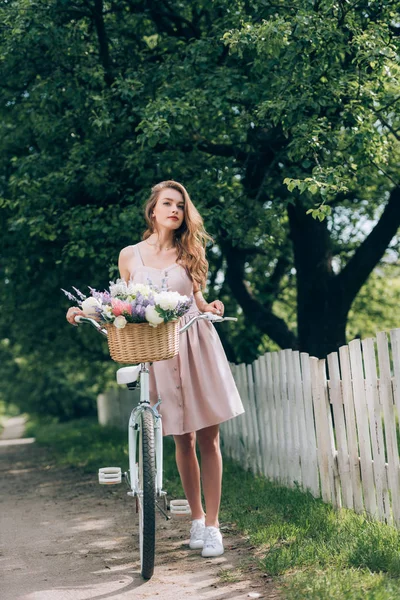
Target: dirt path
[{"x": 63, "y": 536}]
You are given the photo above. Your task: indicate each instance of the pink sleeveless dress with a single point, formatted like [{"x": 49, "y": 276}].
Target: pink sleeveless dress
[{"x": 196, "y": 387}]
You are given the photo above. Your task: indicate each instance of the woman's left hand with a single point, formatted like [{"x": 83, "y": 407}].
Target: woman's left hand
[{"x": 216, "y": 307}]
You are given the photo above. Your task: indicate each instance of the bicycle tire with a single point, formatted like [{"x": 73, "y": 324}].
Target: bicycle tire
[{"x": 147, "y": 498}]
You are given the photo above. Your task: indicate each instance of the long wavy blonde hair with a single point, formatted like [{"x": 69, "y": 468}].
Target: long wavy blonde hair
[{"x": 191, "y": 238}]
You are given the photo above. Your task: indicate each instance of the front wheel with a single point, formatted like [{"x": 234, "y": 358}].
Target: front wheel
[{"x": 147, "y": 494}]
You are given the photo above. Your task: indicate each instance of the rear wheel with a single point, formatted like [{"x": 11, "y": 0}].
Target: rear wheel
[{"x": 147, "y": 497}]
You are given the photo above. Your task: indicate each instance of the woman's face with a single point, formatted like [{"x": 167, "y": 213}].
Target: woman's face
[{"x": 169, "y": 211}]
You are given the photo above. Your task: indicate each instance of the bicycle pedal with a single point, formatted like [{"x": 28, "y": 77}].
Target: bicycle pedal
[
  {"x": 179, "y": 508},
  {"x": 110, "y": 475}
]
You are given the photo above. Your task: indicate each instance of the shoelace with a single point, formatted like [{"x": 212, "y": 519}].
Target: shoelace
[{"x": 211, "y": 538}]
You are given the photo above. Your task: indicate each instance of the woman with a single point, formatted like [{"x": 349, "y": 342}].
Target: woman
[{"x": 196, "y": 387}]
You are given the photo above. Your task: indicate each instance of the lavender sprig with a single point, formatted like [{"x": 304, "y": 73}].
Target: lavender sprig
[
  {"x": 104, "y": 297},
  {"x": 70, "y": 296},
  {"x": 81, "y": 296}
]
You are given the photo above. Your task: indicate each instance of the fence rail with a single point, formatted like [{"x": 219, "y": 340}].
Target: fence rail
[{"x": 329, "y": 426}]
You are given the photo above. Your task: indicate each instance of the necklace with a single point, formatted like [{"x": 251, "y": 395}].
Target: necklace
[{"x": 158, "y": 245}]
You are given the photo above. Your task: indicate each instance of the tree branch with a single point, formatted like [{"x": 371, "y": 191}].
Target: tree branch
[
  {"x": 390, "y": 128},
  {"x": 226, "y": 150},
  {"x": 98, "y": 18},
  {"x": 272, "y": 285},
  {"x": 255, "y": 312},
  {"x": 370, "y": 252}
]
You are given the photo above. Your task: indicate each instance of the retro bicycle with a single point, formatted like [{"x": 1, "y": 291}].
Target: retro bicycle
[{"x": 145, "y": 450}]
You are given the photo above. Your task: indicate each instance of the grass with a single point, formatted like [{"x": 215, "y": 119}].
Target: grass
[
  {"x": 312, "y": 551},
  {"x": 230, "y": 575},
  {"x": 82, "y": 443}
]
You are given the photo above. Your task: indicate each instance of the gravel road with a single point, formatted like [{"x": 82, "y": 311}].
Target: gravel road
[{"x": 63, "y": 536}]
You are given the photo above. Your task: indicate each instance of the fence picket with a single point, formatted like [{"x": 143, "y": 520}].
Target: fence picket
[
  {"x": 352, "y": 441},
  {"x": 386, "y": 398},
  {"x": 335, "y": 389},
  {"x": 294, "y": 455},
  {"x": 300, "y": 419},
  {"x": 281, "y": 454},
  {"x": 245, "y": 432},
  {"x": 273, "y": 430},
  {"x": 255, "y": 424},
  {"x": 364, "y": 442},
  {"x": 376, "y": 431},
  {"x": 263, "y": 412},
  {"x": 286, "y": 440},
  {"x": 310, "y": 425},
  {"x": 395, "y": 342},
  {"x": 240, "y": 425},
  {"x": 325, "y": 459},
  {"x": 235, "y": 424}
]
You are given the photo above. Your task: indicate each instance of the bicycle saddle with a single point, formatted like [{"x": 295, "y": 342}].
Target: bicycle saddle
[{"x": 128, "y": 374}]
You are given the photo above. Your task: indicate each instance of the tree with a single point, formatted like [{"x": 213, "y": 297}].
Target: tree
[{"x": 264, "y": 110}]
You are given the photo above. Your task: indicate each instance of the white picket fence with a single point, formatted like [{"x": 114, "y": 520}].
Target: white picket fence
[{"x": 328, "y": 426}]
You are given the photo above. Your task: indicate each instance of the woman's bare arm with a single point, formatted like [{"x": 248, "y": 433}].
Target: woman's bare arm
[
  {"x": 125, "y": 262},
  {"x": 215, "y": 307},
  {"x": 200, "y": 300}
]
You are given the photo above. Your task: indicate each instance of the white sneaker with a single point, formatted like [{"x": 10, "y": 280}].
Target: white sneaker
[
  {"x": 213, "y": 545},
  {"x": 197, "y": 534}
]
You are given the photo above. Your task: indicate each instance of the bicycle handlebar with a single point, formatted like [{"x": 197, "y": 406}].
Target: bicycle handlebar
[
  {"x": 207, "y": 316},
  {"x": 80, "y": 319}
]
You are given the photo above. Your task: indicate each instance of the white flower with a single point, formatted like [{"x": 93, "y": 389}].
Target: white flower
[
  {"x": 120, "y": 322},
  {"x": 167, "y": 300},
  {"x": 119, "y": 288},
  {"x": 89, "y": 307},
  {"x": 134, "y": 288},
  {"x": 152, "y": 316},
  {"x": 107, "y": 310}
]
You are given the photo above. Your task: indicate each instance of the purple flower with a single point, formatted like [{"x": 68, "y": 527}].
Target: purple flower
[
  {"x": 80, "y": 295},
  {"x": 70, "y": 296},
  {"x": 104, "y": 297},
  {"x": 139, "y": 298}
]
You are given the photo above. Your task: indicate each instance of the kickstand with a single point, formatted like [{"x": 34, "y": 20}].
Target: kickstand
[{"x": 162, "y": 511}]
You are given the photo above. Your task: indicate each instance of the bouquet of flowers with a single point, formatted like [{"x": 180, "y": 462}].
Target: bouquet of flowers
[{"x": 131, "y": 303}]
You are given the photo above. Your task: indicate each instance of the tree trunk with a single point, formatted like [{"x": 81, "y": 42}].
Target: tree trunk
[
  {"x": 319, "y": 331},
  {"x": 323, "y": 298}
]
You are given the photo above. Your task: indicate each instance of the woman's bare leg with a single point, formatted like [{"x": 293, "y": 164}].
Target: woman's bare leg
[
  {"x": 189, "y": 471},
  {"x": 211, "y": 471}
]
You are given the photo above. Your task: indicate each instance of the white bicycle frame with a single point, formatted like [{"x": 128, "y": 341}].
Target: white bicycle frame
[{"x": 134, "y": 430}]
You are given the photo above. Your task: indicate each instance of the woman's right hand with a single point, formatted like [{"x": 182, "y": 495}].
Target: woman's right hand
[{"x": 73, "y": 312}]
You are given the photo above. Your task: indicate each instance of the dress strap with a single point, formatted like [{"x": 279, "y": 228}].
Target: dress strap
[{"x": 137, "y": 254}]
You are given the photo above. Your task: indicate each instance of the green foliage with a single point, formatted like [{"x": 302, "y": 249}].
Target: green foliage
[{"x": 376, "y": 307}]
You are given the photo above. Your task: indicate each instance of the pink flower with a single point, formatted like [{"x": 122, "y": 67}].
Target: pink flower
[{"x": 119, "y": 307}]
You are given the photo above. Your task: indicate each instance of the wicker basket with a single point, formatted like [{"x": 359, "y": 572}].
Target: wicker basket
[{"x": 139, "y": 342}]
